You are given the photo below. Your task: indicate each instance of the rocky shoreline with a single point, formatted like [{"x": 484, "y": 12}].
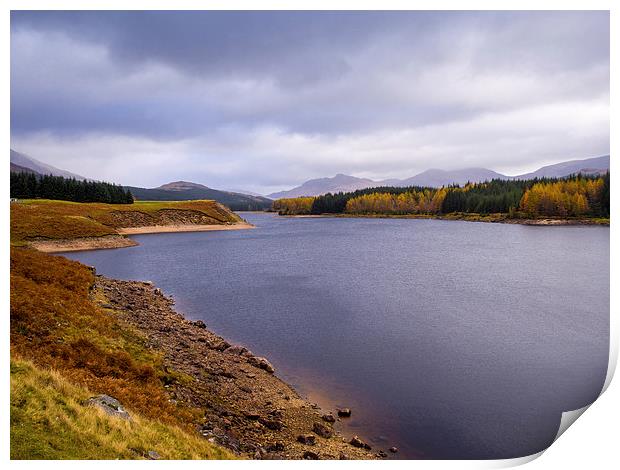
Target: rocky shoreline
[
  {"x": 247, "y": 408},
  {"x": 491, "y": 218}
]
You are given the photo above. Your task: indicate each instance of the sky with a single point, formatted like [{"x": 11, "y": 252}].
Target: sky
[{"x": 263, "y": 101}]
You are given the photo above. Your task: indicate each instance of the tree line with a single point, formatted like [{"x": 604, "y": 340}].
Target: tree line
[
  {"x": 574, "y": 196},
  {"x": 30, "y": 185}
]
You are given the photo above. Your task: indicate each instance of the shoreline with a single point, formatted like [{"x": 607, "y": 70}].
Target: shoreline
[
  {"x": 121, "y": 240},
  {"x": 490, "y": 218},
  {"x": 247, "y": 408},
  {"x": 183, "y": 228}
]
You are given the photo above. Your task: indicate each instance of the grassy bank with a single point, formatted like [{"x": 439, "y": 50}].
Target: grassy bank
[
  {"x": 50, "y": 419},
  {"x": 36, "y": 219},
  {"x": 190, "y": 393},
  {"x": 56, "y": 324}
]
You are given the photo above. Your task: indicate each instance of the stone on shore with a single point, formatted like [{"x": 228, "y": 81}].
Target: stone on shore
[
  {"x": 322, "y": 430},
  {"x": 261, "y": 363},
  {"x": 357, "y": 442},
  {"x": 344, "y": 412}
]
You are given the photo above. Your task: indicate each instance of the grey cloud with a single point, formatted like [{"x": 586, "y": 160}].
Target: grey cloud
[{"x": 241, "y": 89}]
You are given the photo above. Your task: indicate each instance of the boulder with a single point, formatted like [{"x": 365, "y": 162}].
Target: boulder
[
  {"x": 261, "y": 363},
  {"x": 200, "y": 324},
  {"x": 329, "y": 418},
  {"x": 309, "y": 455},
  {"x": 152, "y": 455},
  {"x": 110, "y": 405},
  {"x": 393, "y": 450},
  {"x": 322, "y": 430},
  {"x": 273, "y": 424},
  {"x": 344, "y": 412},
  {"x": 308, "y": 439},
  {"x": 357, "y": 442}
]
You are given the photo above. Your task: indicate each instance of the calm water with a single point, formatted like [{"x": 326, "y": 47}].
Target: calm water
[{"x": 448, "y": 339}]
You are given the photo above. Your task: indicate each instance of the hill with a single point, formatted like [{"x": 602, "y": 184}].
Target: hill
[
  {"x": 15, "y": 168},
  {"x": 315, "y": 187},
  {"x": 21, "y": 160},
  {"x": 185, "y": 191},
  {"x": 64, "y": 226},
  {"x": 437, "y": 178},
  {"x": 595, "y": 165}
]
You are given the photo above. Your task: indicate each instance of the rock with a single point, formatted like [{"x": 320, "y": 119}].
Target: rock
[
  {"x": 261, "y": 363},
  {"x": 357, "y": 442},
  {"x": 238, "y": 351},
  {"x": 308, "y": 439},
  {"x": 252, "y": 416},
  {"x": 276, "y": 447},
  {"x": 381, "y": 454},
  {"x": 273, "y": 424},
  {"x": 309, "y": 455},
  {"x": 152, "y": 455},
  {"x": 344, "y": 412},
  {"x": 393, "y": 450},
  {"x": 200, "y": 324},
  {"x": 322, "y": 430},
  {"x": 343, "y": 456},
  {"x": 245, "y": 389},
  {"x": 329, "y": 418},
  {"x": 110, "y": 405}
]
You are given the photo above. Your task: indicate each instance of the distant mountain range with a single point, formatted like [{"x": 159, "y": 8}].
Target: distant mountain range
[
  {"x": 32, "y": 165},
  {"x": 176, "y": 191},
  {"x": 185, "y": 191},
  {"x": 437, "y": 178}
]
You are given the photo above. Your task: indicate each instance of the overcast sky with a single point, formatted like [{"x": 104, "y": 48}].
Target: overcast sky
[{"x": 263, "y": 101}]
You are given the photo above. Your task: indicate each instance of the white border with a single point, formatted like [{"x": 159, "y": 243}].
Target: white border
[{"x": 591, "y": 443}]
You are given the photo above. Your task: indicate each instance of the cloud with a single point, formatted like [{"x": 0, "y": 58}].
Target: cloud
[{"x": 266, "y": 100}]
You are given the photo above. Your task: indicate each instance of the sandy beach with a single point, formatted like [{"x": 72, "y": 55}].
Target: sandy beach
[
  {"x": 121, "y": 240},
  {"x": 182, "y": 228}
]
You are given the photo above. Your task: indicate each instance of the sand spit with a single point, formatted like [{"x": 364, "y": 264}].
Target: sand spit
[
  {"x": 85, "y": 243},
  {"x": 183, "y": 228}
]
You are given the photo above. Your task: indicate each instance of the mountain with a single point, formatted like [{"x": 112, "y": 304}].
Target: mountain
[
  {"x": 21, "y": 169},
  {"x": 185, "y": 191},
  {"x": 243, "y": 191},
  {"x": 37, "y": 166},
  {"x": 437, "y": 178},
  {"x": 320, "y": 186},
  {"x": 588, "y": 166}
]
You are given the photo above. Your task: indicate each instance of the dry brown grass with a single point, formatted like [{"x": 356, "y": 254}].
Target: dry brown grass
[
  {"x": 60, "y": 220},
  {"x": 55, "y": 324}
]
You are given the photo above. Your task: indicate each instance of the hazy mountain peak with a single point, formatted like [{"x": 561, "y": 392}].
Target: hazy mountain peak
[
  {"x": 318, "y": 186},
  {"x": 181, "y": 186},
  {"x": 40, "y": 167}
]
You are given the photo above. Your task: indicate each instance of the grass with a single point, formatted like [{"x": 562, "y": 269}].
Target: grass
[
  {"x": 58, "y": 220},
  {"x": 65, "y": 347},
  {"x": 56, "y": 325},
  {"x": 50, "y": 420}
]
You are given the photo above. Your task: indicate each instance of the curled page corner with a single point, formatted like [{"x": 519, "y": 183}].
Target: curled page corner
[{"x": 568, "y": 418}]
